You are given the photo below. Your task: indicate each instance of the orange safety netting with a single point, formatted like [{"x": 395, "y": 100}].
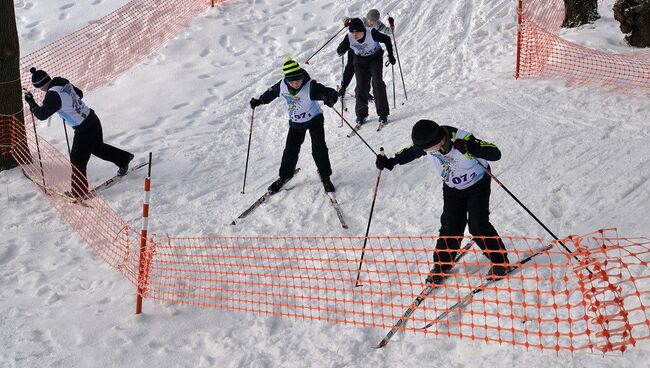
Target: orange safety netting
[
  {"x": 553, "y": 302},
  {"x": 99, "y": 52},
  {"x": 543, "y": 53},
  {"x": 110, "y": 236}
]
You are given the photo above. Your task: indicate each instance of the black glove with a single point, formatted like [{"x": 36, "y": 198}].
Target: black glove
[
  {"x": 464, "y": 146},
  {"x": 255, "y": 102},
  {"x": 341, "y": 91},
  {"x": 329, "y": 101},
  {"x": 384, "y": 162},
  {"x": 29, "y": 98},
  {"x": 391, "y": 59}
]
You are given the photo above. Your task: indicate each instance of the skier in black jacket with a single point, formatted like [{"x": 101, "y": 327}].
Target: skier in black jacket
[
  {"x": 65, "y": 99},
  {"x": 372, "y": 20},
  {"x": 368, "y": 66},
  {"x": 466, "y": 191},
  {"x": 300, "y": 92}
]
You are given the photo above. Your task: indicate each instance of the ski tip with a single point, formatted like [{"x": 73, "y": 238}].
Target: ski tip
[
  {"x": 381, "y": 344},
  {"x": 233, "y": 223}
]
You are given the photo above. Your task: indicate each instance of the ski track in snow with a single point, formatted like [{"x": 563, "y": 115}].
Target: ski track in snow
[{"x": 577, "y": 157}]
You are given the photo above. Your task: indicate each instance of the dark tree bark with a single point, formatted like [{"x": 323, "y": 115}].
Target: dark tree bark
[
  {"x": 579, "y": 12},
  {"x": 10, "y": 87},
  {"x": 634, "y": 19}
]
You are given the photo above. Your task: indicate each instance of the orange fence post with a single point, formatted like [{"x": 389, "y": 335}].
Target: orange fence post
[
  {"x": 143, "y": 239},
  {"x": 520, "y": 11}
]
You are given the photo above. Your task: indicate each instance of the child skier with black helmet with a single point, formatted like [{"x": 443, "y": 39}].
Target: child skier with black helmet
[
  {"x": 456, "y": 154},
  {"x": 372, "y": 20},
  {"x": 64, "y": 98},
  {"x": 368, "y": 67},
  {"x": 300, "y": 92}
]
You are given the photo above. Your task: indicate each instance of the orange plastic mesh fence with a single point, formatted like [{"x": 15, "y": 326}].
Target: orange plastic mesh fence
[
  {"x": 545, "y": 54},
  {"x": 92, "y": 57},
  {"x": 96, "y": 54},
  {"x": 95, "y": 221},
  {"x": 551, "y": 302}
]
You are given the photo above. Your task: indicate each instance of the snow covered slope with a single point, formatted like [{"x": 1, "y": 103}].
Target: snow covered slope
[{"x": 578, "y": 158}]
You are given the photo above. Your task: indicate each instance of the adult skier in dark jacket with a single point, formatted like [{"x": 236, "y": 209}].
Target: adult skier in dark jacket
[
  {"x": 368, "y": 66},
  {"x": 65, "y": 99},
  {"x": 300, "y": 92},
  {"x": 466, "y": 191}
]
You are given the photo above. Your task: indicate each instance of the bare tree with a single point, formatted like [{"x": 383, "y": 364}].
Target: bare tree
[
  {"x": 10, "y": 87},
  {"x": 579, "y": 12},
  {"x": 634, "y": 19}
]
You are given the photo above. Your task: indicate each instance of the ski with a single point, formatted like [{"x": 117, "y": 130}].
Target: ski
[
  {"x": 337, "y": 208},
  {"x": 354, "y": 130},
  {"x": 109, "y": 183},
  {"x": 428, "y": 290},
  {"x": 51, "y": 192},
  {"x": 258, "y": 202},
  {"x": 116, "y": 178},
  {"x": 468, "y": 298}
]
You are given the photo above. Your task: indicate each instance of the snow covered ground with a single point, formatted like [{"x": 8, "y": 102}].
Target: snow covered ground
[{"x": 578, "y": 158}]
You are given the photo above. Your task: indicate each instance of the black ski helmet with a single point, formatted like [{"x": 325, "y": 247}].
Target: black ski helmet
[{"x": 427, "y": 133}]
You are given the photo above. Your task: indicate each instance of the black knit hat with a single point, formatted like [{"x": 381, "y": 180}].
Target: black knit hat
[
  {"x": 426, "y": 133},
  {"x": 356, "y": 25},
  {"x": 292, "y": 70},
  {"x": 39, "y": 77}
]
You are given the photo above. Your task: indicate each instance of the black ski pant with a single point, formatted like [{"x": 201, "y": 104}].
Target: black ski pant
[
  {"x": 468, "y": 206},
  {"x": 370, "y": 69},
  {"x": 89, "y": 140},
  {"x": 319, "y": 152}
]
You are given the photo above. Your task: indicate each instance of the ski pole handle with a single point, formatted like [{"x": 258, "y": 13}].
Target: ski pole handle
[{"x": 391, "y": 21}]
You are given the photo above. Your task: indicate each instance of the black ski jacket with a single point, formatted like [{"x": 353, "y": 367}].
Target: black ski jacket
[{"x": 52, "y": 101}]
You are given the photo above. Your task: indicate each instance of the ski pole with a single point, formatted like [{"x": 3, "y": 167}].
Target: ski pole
[
  {"x": 372, "y": 208},
  {"x": 38, "y": 149},
  {"x": 391, "y": 21},
  {"x": 248, "y": 152},
  {"x": 357, "y": 133},
  {"x": 529, "y": 212},
  {"x": 67, "y": 140},
  {"x": 322, "y": 47},
  {"x": 394, "y": 103},
  {"x": 342, "y": 96}
]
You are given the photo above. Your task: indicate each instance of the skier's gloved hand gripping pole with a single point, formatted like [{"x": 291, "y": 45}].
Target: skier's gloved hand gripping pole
[
  {"x": 529, "y": 212},
  {"x": 345, "y": 25},
  {"x": 391, "y": 22},
  {"x": 29, "y": 98},
  {"x": 372, "y": 209}
]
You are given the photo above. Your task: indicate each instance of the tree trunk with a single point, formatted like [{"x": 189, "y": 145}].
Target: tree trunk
[
  {"x": 10, "y": 87},
  {"x": 579, "y": 12},
  {"x": 634, "y": 19}
]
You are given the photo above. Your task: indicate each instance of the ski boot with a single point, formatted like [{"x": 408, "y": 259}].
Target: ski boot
[{"x": 125, "y": 168}]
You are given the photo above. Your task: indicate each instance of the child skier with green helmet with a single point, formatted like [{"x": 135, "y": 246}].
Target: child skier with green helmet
[{"x": 300, "y": 92}]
